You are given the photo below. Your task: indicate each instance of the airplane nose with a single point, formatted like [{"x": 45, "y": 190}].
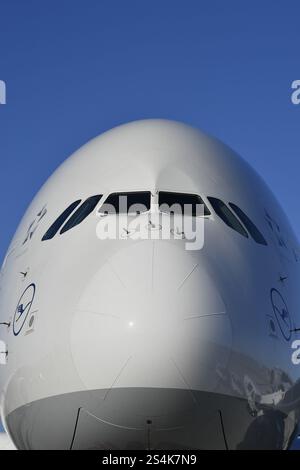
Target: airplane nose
[{"x": 151, "y": 320}]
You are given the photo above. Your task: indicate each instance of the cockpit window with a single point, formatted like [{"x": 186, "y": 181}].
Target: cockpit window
[
  {"x": 250, "y": 226},
  {"x": 227, "y": 216},
  {"x": 82, "y": 212},
  {"x": 127, "y": 203},
  {"x": 51, "y": 232},
  {"x": 181, "y": 203}
]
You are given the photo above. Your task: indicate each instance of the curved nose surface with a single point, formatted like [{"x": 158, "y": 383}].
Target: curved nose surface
[{"x": 151, "y": 317}]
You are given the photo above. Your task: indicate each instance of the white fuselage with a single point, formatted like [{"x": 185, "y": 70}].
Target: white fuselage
[{"x": 130, "y": 343}]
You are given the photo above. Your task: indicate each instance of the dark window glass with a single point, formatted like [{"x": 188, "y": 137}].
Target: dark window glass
[
  {"x": 60, "y": 220},
  {"x": 227, "y": 216},
  {"x": 82, "y": 212},
  {"x": 252, "y": 229},
  {"x": 179, "y": 200},
  {"x": 131, "y": 203}
]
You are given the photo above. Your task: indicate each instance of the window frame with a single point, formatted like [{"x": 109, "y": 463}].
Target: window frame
[
  {"x": 243, "y": 232},
  {"x": 184, "y": 193},
  {"x": 125, "y": 193},
  {"x": 69, "y": 213},
  {"x": 248, "y": 222},
  {"x": 66, "y": 227}
]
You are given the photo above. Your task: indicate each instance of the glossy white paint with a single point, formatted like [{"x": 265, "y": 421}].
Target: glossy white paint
[{"x": 124, "y": 313}]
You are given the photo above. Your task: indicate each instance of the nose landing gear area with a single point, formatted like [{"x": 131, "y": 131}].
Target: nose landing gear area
[
  {"x": 128, "y": 419},
  {"x": 193, "y": 420},
  {"x": 94, "y": 433},
  {"x": 146, "y": 418}
]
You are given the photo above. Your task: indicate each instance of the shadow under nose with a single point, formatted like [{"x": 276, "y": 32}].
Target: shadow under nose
[{"x": 148, "y": 419}]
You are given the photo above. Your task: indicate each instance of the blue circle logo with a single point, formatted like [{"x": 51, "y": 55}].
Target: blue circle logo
[
  {"x": 281, "y": 314},
  {"x": 23, "y": 308}
]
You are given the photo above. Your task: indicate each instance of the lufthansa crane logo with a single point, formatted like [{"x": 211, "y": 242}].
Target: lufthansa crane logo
[
  {"x": 23, "y": 308},
  {"x": 281, "y": 314}
]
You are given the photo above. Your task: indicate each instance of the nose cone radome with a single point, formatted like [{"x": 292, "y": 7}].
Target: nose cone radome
[{"x": 151, "y": 318}]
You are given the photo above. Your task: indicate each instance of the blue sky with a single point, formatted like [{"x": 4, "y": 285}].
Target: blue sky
[{"x": 74, "y": 69}]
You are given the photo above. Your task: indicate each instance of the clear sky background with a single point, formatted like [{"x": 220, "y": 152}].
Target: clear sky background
[{"x": 75, "y": 68}]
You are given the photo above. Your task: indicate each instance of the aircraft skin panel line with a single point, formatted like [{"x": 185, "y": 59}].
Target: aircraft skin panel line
[{"x": 140, "y": 326}]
